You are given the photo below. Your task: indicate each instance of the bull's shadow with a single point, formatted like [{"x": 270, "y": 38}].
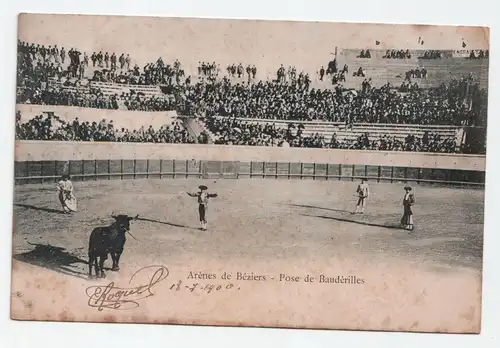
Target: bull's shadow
[{"x": 53, "y": 258}]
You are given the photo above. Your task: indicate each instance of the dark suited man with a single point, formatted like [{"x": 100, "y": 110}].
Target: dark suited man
[{"x": 408, "y": 201}]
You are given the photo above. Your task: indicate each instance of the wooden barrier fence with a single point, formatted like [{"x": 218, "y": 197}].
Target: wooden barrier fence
[
  {"x": 122, "y": 169},
  {"x": 46, "y": 161}
]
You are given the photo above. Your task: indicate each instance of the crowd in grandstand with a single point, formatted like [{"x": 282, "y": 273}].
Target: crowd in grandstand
[
  {"x": 479, "y": 54},
  {"x": 432, "y": 54},
  {"x": 44, "y": 60},
  {"x": 94, "y": 98},
  {"x": 110, "y": 61},
  {"x": 336, "y": 75},
  {"x": 208, "y": 69},
  {"x": 59, "y": 96},
  {"x": 234, "y": 70},
  {"x": 273, "y": 100},
  {"x": 365, "y": 54},
  {"x": 302, "y": 80},
  {"x": 225, "y": 130},
  {"x": 360, "y": 72},
  {"x": 397, "y": 54},
  {"x": 416, "y": 73},
  {"x": 289, "y": 97},
  {"x": 42, "y": 53},
  {"x": 231, "y": 131},
  {"x": 407, "y": 86},
  {"x": 139, "y": 102},
  {"x": 152, "y": 74},
  {"x": 51, "y": 127},
  {"x": 293, "y": 101}
]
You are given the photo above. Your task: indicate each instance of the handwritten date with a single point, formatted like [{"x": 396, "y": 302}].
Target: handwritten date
[{"x": 206, "y": 288}]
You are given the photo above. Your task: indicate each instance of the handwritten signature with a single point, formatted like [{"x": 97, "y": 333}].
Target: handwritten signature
[{"x": 113, "y": 297}]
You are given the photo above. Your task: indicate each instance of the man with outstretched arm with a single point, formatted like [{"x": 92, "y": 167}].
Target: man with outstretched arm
[{"x": 203, "y": 198}]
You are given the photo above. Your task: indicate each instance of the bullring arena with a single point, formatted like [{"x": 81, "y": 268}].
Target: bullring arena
[
  {"x": 259, "y": 218},
  {"x": 257, "y": 226}
]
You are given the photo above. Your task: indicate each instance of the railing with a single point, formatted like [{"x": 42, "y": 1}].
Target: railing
[
  {"x": 85, "y": 170},
  {"x": 108, "y": 88},
  {"x": 120, "y": 87},
  {"x": 401, "y": 126},
  {"x": 46, "y": 161}
]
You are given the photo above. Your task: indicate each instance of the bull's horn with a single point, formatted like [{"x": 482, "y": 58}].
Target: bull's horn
[
  {"x": 113, "y": 215},
  {"x": 133, "y": 218}
]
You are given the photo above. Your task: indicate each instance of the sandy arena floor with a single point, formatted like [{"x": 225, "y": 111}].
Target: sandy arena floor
[{"x": 264, "y": 226}]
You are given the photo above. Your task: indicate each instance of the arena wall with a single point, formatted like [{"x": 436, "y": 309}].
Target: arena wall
[
  {"x": 121, "y": 118},
  {"x": 61, "y": 150},
  {"x": 40, "y": 161}
]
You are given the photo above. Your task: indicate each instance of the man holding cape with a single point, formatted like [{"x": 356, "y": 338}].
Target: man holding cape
[{"x": 66, "y": 196}]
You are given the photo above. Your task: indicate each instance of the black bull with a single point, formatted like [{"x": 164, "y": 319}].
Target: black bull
[{"x": 108, "y": 240}]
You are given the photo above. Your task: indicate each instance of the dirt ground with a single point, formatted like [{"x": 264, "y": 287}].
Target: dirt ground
[{"x": 263, "y": 226}]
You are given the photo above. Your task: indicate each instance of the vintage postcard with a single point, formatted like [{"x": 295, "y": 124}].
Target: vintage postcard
[{"x": 249, "y": 173}]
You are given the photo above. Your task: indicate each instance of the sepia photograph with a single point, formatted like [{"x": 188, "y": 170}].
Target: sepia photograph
[{"x": 249, "y": 173}]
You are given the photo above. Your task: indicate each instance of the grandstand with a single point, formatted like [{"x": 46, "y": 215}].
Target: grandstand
[
  {"x": 196, "y": 127},
  {"x": 382, "y": 70},
  {"x": 108, "y": 89},
  {"x": 352, "y": 132},
  {"x": 82, "y": 87},
  {"x": 120, "y": 118},
  {"x": 446, "y": 118}
]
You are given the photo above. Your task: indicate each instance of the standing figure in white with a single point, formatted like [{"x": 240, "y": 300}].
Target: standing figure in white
[
  {"x": 363, "y": 192},
  {"x": 66, "y": 196}
]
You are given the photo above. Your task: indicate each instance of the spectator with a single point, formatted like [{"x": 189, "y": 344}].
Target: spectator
[{"x": 52, "y": 127}]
